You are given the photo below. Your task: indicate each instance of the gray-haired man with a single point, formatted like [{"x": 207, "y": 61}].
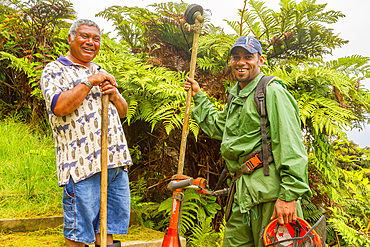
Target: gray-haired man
[{"x": 72, "y": 87}]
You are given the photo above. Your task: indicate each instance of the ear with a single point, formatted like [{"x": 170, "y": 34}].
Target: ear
[
  {"x": 261, "y": 61},
  {"x": 69, "y": 39}
]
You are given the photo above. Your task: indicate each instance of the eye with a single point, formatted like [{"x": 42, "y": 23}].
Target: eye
[{"x": 84, "y": 36}]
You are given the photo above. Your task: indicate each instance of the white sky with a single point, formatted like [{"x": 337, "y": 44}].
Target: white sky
[{"x": 355, "y": 27}]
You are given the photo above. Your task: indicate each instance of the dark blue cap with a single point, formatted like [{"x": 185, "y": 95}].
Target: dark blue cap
[{"x": 250, "y": 44}]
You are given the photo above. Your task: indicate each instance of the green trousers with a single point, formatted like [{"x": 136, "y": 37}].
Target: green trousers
[{"x": 243, "y": 230}]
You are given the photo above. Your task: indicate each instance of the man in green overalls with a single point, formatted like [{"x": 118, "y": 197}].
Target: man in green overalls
[{"x": 258, "y": 198}]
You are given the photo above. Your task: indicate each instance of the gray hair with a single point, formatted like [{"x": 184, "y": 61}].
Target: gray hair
[{"x": 78, "y": 23}]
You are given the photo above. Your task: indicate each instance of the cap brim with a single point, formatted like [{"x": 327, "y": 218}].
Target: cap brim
[{"x": 248, "y": 49}]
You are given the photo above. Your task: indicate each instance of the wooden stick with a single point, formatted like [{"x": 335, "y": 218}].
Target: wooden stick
[
  {"x": 193, "y": 61},
  {"x": 104, "y": 171}
]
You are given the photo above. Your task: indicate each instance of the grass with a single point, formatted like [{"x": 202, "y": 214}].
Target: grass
[
  {"x": 28, "y": 181},
  {"x": 54, "y": 237}
]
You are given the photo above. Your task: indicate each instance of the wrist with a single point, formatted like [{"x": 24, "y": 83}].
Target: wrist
[
  {"x": 114, "y": 99},
  {"x": 86, "y": 82}
]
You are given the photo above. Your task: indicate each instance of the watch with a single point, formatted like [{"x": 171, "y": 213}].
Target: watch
[{"x": 87, "y": 83}]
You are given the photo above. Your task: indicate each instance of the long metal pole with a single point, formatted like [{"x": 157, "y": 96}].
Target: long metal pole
[
  {"x": 197, "y": 26},
  {"x": 104, "y": 171}
]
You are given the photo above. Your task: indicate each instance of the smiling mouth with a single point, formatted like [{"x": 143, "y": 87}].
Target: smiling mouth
[
  {"x": 242, "y": 70},
  {"x": 87, "y": 49}
]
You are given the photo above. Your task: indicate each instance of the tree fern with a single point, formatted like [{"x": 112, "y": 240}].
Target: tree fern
[
  {"x": 356, "y": 66},
  {"x": 265, "y": 16},
  {"x": 297, "y": 31},
  {"x": 154, "y": 94},
  {"x": 213, "y": 51}
]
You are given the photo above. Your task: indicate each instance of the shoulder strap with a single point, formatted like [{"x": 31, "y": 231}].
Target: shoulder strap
[
  {"x": 260, "y": 93},
  {"x": 229, "y": 99},
  {"x": 260, "y": 102}
]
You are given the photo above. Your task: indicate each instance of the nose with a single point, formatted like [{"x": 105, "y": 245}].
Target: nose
[
  {"x": 89, "y": 40},
  {"x": 241, "y": 61}
]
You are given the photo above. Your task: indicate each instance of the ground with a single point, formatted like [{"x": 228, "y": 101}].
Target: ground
[{"x": 54, "y": 237}]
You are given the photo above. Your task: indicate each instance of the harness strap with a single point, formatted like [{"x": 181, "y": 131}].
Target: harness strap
[
  {"x": 253, "y": 161},
  {"x": 260, "y": 101}
]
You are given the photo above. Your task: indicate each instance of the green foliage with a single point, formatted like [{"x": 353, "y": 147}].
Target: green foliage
[
  {"x": 350, "y": 156},
  {"x": 28, "y": 182},
  {"x": 127, "y": 22},
  {"x": 317, "y": 90},
  {"x": 346, "y": 193},
  {"x": 203, "y": 234},
  {"x": 297, "y": 31},
  {"x": 29, "y": 38},
  {"x": 195, "y": 208},
  {"x": 146, "y": 213},
  {"x": 145, "y": 30},
  {"x": 213, "y": 52},
  {"x": 343, "y": 224},
  {"x": 155, "y": 94}
]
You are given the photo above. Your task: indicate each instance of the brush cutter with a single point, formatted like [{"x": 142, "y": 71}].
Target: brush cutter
[
  {"x": 193, "y": 15},
  {"x": 178, "y": 183}
]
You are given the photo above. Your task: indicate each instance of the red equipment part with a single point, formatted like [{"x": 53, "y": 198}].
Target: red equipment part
[
  {"x": 179, "y": 181},
  {"x": 293, "y": 234},
  {"x": 171, "y": 237}
]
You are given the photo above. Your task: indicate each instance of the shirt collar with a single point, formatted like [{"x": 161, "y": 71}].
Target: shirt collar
[{"x": 65, "y": 61}]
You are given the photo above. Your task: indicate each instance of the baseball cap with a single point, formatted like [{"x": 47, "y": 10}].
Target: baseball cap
[{"x": 250, "y": 44}]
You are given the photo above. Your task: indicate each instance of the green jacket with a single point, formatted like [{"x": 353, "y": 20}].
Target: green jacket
[{"x": 238, "y": 127}]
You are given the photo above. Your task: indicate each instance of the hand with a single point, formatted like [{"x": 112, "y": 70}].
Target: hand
[
  {"x": 121, "y": 105},
  {"x": 193, "y": 84},
  {"x": 286, "y": 212},
  {"x": 107, "y": 88},
  {"x": 101, "y": 77}
]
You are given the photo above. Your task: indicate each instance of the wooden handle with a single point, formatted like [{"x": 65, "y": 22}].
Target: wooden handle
[
  {"x": 193, "y": 61},
  {"x": 104, "y": 171}
]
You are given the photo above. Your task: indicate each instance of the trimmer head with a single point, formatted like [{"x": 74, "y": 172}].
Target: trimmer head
[{"x": 190, "y": 12}]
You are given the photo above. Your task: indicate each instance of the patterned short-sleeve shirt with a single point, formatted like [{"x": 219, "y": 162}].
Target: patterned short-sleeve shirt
[{"x": 77, "y": 136}]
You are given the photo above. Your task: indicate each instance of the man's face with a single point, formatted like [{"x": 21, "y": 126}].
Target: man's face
[
  {"x": 244, "y": 65},
  {"x": 86, "y": 45}
]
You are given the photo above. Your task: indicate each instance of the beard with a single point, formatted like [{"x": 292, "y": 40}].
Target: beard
[
  {"x": 247, "y": 78},
  {"x": 244, "y": 79}
]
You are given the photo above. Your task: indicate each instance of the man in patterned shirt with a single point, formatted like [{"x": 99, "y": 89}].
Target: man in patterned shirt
[{"x": 72, "y": 87}]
